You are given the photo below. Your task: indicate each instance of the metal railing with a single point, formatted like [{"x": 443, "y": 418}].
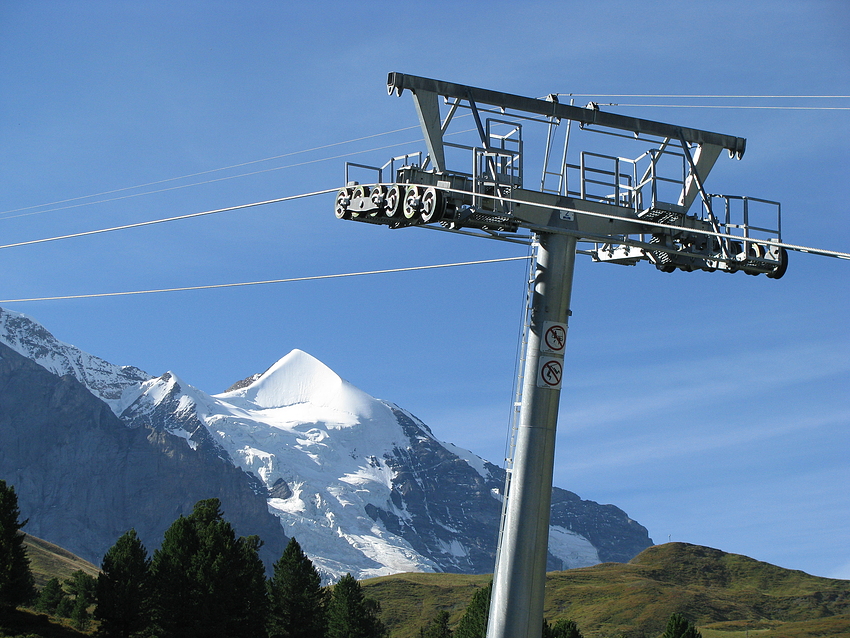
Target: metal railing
[
  {"x": 382, "y": 170},
  {"x": 746, "y": 218}
]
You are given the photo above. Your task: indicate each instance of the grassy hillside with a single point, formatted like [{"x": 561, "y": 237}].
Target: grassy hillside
[
  {"x": 48, "y": 560},
  {"x": 409, "y": 601},
  {"x": 726, "y": 595}
]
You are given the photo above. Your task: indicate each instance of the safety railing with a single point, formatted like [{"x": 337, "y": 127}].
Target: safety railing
[
  {"x": 748, "y": 220},
  {"x": 389, "y": 168}
]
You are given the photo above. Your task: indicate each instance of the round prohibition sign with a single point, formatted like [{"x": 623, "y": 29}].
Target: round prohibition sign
[
  {"x": 555, "y": 337},
  {"x": 551, "y": 373}
]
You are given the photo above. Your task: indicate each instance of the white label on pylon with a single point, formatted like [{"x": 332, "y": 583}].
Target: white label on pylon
[
  {"x": 550, "y": 373},
  {"x": 554, "y": 338}
]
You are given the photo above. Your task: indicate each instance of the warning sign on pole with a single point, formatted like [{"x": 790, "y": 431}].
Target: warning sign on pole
[
  {"x": 554, "y": 338},
  {"x": 550, "y": 373}
]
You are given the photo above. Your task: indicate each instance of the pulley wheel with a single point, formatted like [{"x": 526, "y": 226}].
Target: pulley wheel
[
  {"x": 431, "y": 201},
  {"x": 360, "y": 193},
  {"x": 756, "y": 251},
  {"x": 379, "y": 195},
  {"x": 394, "y": 200},
  {"x": 412, "y": 201},
  {"x": 343, "y": 199},
  {"x": 782, "y": 267}
]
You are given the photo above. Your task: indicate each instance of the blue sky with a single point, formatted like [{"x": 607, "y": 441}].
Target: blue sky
[{"x": 713, "y": 408}]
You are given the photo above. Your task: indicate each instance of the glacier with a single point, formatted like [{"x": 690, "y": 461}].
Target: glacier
[{"x": 363, "y": 484}]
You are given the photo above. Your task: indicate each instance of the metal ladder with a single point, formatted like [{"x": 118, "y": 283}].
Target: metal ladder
[{"x": 518, "y": 377}]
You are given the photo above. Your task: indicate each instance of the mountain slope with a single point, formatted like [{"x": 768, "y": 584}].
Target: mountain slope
[
  {"x": 83, "y": 477},
  {"x": 48, "y": 560},
  {"x": 103, "y": 379},
  {"x": 726, "y": 595},
  {"x": 363, "y": 484},
  {"x": 723, "y": 594}
]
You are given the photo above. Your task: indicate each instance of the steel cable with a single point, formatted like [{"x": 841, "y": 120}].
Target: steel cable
[
  {"x": 269, "y": 281},
  {"x": 166, "y": 219}
]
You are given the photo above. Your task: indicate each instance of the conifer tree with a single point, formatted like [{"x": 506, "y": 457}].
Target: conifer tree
[
  {"x": 80, "y": 617},
  {"x": 351, "y": 614},
  {"x": 16, "y": 582},
  {"x": 50, "y": 596},
  {"x": 438, "y": 627},
  {"x": 82, "y": 585},
  {"x": 83, "y": 588},
  {"x": 65, "y": 607},
  {"x": 123, "y": 588},
  {"x": 173, "y": 599},
  {"x": 206, "y": 582},
  {"x": 473, "y": 623},
  {"x": 296, "y": 598},
  {"x": 561, "y": 629},
  {"x": 680, "y": 627}
]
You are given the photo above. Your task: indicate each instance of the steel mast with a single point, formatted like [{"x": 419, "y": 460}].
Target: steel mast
[{"x": 516, "y": 607}]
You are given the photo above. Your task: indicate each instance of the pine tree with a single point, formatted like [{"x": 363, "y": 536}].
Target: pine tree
[
  {"x": 206, "y": 582},
  {"x": 351, "y": 614},
  {"x": 680, "y": 627},
  {"x": 123, "y": 588},
  {"x": 250, "y": 577},
  {"x": 473, "y": 624},
  {"x": 561, "y": 629},
  {"x": 438, "y": 627},
  {"x": 82, "y": 585},
  {"x": 65, "y": 607},
  {"x": 174, "y": 602},
  {"x": 50, "y": 597},
  {"x": 16, "y": 582},
  {"x": 83, "y": 588},
  {"x": 296, "y": 597},
  {"x": 80, "y": 617}
]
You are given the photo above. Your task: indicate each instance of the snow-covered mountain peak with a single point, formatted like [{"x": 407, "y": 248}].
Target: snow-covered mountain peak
[
  {"x": 300, "y": 378},
  {"x": 166, "y": 386},
  {"x": 362, "y": 483},
  {"x": 32, "y": 340}
]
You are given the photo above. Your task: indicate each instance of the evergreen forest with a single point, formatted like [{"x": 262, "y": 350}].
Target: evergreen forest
[{"x": 205, "y": 582}]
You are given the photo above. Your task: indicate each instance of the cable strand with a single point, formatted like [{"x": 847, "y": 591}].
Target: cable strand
[
  {"x": 269, "y": 281},
  {"x": 166, "y": 219},
  {"x": 696, "y": 96},
  {"x": 213, "y": 170}
]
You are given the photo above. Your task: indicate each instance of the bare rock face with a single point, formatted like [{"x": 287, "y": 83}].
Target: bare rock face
[
  {"x": 459, "y": 507},
  {"x": 32, "y": 340},
  {"x": 83, "y": 478}
]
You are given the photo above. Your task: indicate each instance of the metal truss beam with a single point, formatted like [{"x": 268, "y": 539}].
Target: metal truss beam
[{"x": 398, "y": 82}]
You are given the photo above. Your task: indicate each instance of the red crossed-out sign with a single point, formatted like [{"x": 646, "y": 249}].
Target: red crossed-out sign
[
  {"x": 551, "y": 373},
  {"x": 555, "y": 337}
]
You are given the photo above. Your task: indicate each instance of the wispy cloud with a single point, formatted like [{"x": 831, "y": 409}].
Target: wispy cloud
[
  {"x": 617, "y": 393},
  {"x": 688, "y": 440}
]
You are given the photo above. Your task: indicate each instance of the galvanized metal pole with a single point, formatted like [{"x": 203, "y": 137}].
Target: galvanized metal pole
[{"x": 516, "y": 607}]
